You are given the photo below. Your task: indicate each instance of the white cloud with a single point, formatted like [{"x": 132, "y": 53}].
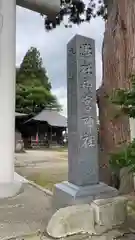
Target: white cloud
[
  {"x": 61, "y": 94},
  {"x": 52, "y": 45}
]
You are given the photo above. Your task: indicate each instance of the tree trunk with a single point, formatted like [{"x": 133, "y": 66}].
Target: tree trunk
[{"x": 118, "y": 63}]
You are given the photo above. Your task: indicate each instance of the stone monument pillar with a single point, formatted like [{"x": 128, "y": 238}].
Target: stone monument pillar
[{"x": 83, "y": 174}]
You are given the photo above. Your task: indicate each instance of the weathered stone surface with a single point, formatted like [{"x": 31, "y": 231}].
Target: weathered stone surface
[
  {"x": 127, "y": 237},
  {"x": 19, "y": 147},
  {"x": 126, "y": 181},
  {"x": 67, "y": 194},
  {"x": 71, "y": 220},
  {"x": 110, "y": 212},
  {"x": 114, "y": 234},
  {"x": 82, "y": 116},
  {"x": 100, "y": 217},
  {"x": 111, "y": 235}
]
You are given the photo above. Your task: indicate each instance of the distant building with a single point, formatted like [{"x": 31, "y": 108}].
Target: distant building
[{"x": 44, "y": 129}]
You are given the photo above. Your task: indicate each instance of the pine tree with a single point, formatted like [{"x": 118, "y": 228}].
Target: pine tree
[
  {"x": 32, "y": 68},
  {"x": 33, "y": 89}
]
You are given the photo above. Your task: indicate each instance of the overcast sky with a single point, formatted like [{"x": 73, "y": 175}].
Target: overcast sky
[{"x": 52, "y": 46}]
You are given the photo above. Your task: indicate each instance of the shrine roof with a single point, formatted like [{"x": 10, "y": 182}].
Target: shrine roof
[{"x": 52, "y": 117}]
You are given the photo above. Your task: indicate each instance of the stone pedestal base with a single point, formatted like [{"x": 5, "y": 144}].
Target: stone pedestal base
[
  {"x": 103, "y": 219},
  {"x": 67, "y": 194}
]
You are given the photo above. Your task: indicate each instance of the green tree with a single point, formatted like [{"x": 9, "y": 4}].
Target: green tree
[
  {"x": 78, "y": 12},
  {"x": 125, "y": 100},
  {"x": 122, "y": 160},
  {"x": 31, "y": 69},
  {"x": 33, "y": 89}
]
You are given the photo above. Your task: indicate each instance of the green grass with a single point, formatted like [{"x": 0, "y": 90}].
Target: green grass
[{"x": 47, "y": 178}]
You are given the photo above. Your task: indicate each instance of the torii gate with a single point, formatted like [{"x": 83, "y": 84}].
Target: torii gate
[{"x": 9, "y": 186}]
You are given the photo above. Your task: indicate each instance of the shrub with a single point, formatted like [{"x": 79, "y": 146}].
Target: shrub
[{"x": 124, "y": 158}]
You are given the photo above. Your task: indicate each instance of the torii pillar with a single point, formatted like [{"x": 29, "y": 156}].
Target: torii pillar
[{"x": 9, "y": 186}]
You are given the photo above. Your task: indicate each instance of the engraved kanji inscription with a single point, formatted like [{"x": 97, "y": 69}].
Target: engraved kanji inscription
[
  {"x": 72, "y": 51},
  {"x": 87, "y": 141},
  {"x": 87, "y": 101},
  {"x": 89, "y": 122},
  {"x": 86, "y": 69},
  {"x": 86, "y": 85},
  {"x": 85, "y": 50}
]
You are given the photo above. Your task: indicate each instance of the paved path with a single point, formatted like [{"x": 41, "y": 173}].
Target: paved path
[{"x": 24, "y": 214}]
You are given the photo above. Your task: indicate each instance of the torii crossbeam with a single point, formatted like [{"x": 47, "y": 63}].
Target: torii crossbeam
[{"x": 9, "y": 186}]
